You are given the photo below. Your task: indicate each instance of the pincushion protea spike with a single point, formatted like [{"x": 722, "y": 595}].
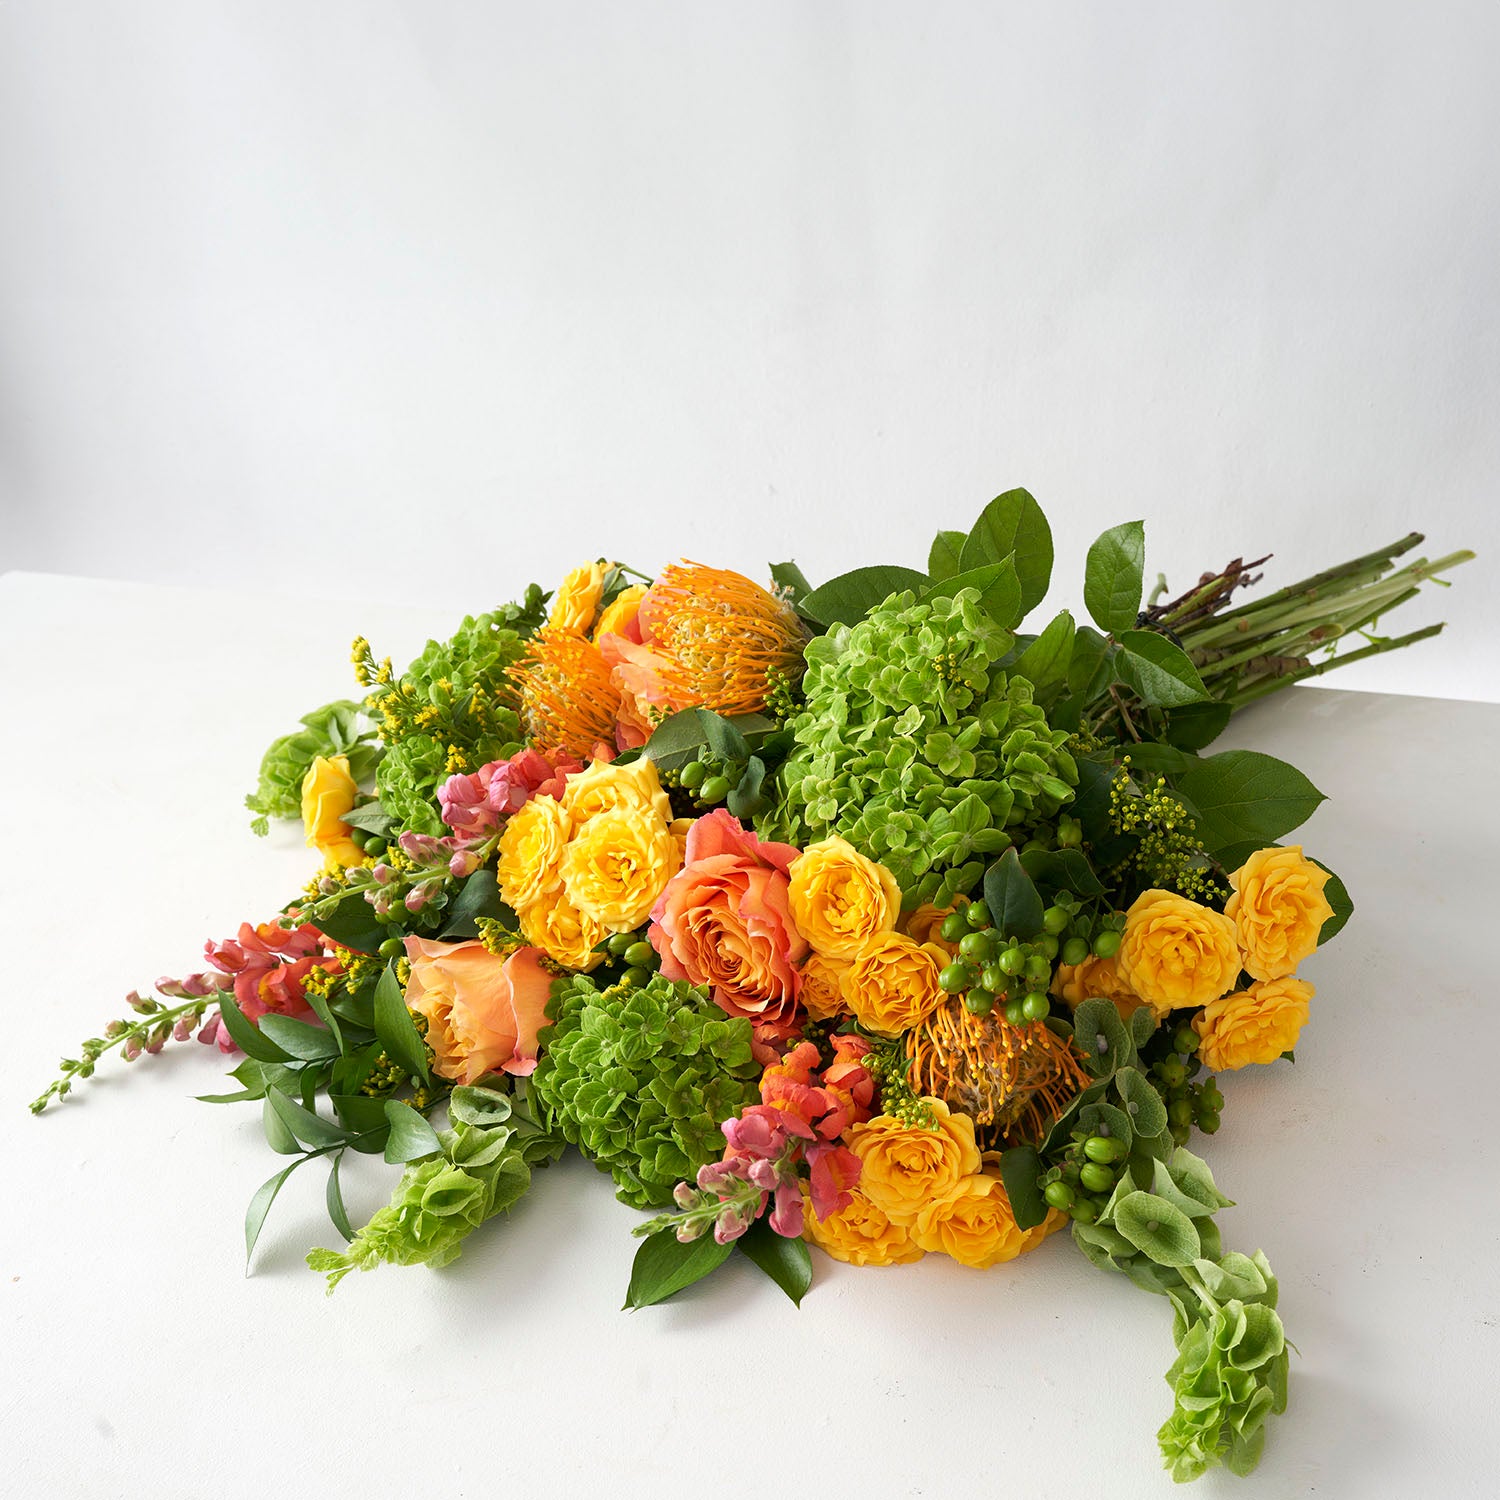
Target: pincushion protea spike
[
  {"x": 1013, "y": 1081},
  {"x": 703, "y": 638},
  {"x": 568, "y": 698}
]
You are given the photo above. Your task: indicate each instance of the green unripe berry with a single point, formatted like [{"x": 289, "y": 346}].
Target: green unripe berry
[
  {"x": 1075, "y": 950},
  {"x": 1012, "y": 960},
  {"x": 979, "y": 1002},
  {"x": 1185, "y": 1041},
  {"x": 1054, "y": 920},
  {"x": 1035, "y": 1007},
  {"x": 1015, "y": 1015},
  {"x": 636, "y": 978},
  {"x": 1181, "y": 1134},
  {"x": 617, "y": 946},
  {"x": 715, "y": 789},
  {"x": 640, "y": 956},
  {"x": 954, "y": 927},
  {"x": 1096, "y": 1177},
  {"x": 1180, "y": 1112},
  {"x": 359, "y": 838},
  {"x": 1102, "y": 1148},
  {"x": 1049, "y": 946},
  {"x": 1106, "y": 943},
  {"x": 993, "y": 978},
  {"x": 1208, "y": 1122},
  {"x": 954, "y": 978},
  {"x": 1038, "y": 969},
  {"x": 1171, "y": 1072},
  {"x": 1058, "y": 1195},
  {"x": 693, "y": 774},
  {"x": 375, "y": 846},
  {"x": 392, "y": 947},
  {"x": 977, "y": 915},
  {"x": 976, "y": 945},
  {"x": 1083, "y": 1212}
]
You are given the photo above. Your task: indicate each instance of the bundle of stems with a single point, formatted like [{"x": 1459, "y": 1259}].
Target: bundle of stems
[{"x": 1260, "y": 647}]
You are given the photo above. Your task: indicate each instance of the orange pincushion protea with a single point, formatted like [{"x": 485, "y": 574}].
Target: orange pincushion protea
[
  {"x": 568, "y": 698},
  {"x": 1012, "y": 1081},
  {"x": 708, "y": 638}
]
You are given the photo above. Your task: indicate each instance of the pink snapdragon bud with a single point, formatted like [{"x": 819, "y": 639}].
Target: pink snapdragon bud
[
  {"x": 132, "y": 1049},
  {"x": 464, "y": 803},
  {"x": 416, "y": 898},
  {"x": 786, "y": 1217},
  {"x": 730, "y": 1225},
  {"x": 114, "y": 1028},
  {"x": 685, "y": 1195},
  {"x": 463, "y": 864},
  {"x": 764, "y": 1175},
  {"x": 383, "y": 873},
  {"x": 687, "y": 1233},
  {"x": 183, "y": 1029},
  {"x": 713, "y": 1175}
]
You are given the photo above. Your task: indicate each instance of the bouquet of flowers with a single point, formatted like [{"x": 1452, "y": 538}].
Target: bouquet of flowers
[{"x": 847, "y": 917}]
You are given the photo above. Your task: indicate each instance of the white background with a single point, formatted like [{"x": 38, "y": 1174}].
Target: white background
[{"x": 423, "y": 299}]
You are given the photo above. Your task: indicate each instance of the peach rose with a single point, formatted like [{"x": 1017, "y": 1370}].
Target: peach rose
[
  {"x": 1278, "y": 909},
  {"x": 1095, "y": 978},
  {"x": 618, "y": 616},
  {"x": 1175, "y": 952},
  {"x": 861, "y": 1235},
  {"x": 724, "y": 921},
  {"x": 891, "y": 984},
  {"x": 328, "y": 792},
  {"x": 975, "y": 1226},
  {"x": 841, "y": 899},
  {"x": 531, "y": 852},
  {"x": 904, "y": 1166},
  {"x": 1253, "y": 1026},
  {"x": 483, "y": 1012}
]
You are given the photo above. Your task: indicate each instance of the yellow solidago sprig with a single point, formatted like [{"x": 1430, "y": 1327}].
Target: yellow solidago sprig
[{"x": 1166, "y": 851}]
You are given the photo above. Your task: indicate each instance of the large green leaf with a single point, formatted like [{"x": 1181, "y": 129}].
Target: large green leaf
[
  {"x": 1244, "y": 796},
  {"x": 1159, "y": 672},
  {"x": 1044, "y": 663},
  {"x": 395, "y": 1028},
  {"x": 309, "y": 1128},
  {"x": 411, "y": 1136},
  {"x": 998, "y": 587},
  {"x": 851, "y": 596},
  {"x": 685, "y": 735},
  {"x": 1012, "y": 525},
  {"x": 299, "y": 1038},
  {"x": 664, "y": 1266},
  {"x": 1019, "y": 1169},
  {"x": 1112, "y": 577},
  {"x": 478, "y": 897},
  {"x": 352, "y": 923},
  {"x": 1012, "y": 897},
  {"x": 786, "y": 1261},
  {"x": 1338, "y": 898},
  {"x": 942, "y": 559},
  {"x": 260, "y": 1206},
  {"x": 789, "y": 577},
  {"x": 249, "y": 1039}
]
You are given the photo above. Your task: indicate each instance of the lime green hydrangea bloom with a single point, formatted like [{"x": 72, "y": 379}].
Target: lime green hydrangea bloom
[
  {"x": 640, "y": 1080},
  {"x": 917, "y": 747},
  {"x": 407, "y": 780}
]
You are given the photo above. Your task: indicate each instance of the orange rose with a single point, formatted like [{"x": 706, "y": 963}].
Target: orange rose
[
  {"x": 1253, "y": 1026},
  {"x": 483, "y": 1012},
  {"x": 1175, "y": 952},
  {"x": 1278, "y": 909}
]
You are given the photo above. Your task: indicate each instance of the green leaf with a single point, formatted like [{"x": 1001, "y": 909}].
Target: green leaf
[
  {"x": 394, "y": 1026},
  {"x": 1019, "y": 1169},
  {"x": 359, "y": 1113},
  {"x": 1089, "y": 665},
  {"x": 1338, "y": 899},
  {"x": 1014, "y": 903},
  {"x": 664, "y": 1265},
  {"x": 786, "y": 1261},
  {"x": 1012, "y": 525},
  {"x": 278, "y": 1137},
  {"x": 1244, "y": 795},
  {"x": 1195, "y": 726},
  {"x": 309, "y": 1128},
  {"x": 351, "y": 922},
  {"x": 681, "y": 737},
  {"x": 411, "y": 1136},
  {"x": 942, "y": 560},
  {"x": 748, "y": 797},
  {"x": 1101, "y": 1036},
  {"x": 373, "y": 818},
  {"x": 999, "y": 591},
  {"x": 247, "y": 1037},
  {"x": 479, "y": 896},
  {"x": 322, "y": 1010},
  {"x": 847, "y": 599},
  {"x": 1158, "y": 1229},
  {"x": 334, "y": 1198},
  {"x": 470, "y": 1104},
  {"x": 1157, "y": 671},
  {"x": 298, "y": 1038},
  {"x": 1063, "y": 870},
  {"x": 1163, "y": 760},
  {"x": 260, "y": 1206},
  {"x": 1044, "y": 663},
  {"x": 1142, "y": 1103},
  {"x": 1112, "y": 577},
  {"x": 788, "y": 576}
]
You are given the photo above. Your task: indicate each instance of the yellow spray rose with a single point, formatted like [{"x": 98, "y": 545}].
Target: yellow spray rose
[
  {"x": 904, "y": 1166},
  {"x": 1278, "y": 909},
  {"x": 974, "y": 1224},
  {"x": 565, "y": 934},
  {"x": 617, "y": 864},
  {"x": 840, "y": 899},
  {"x": 822, "y": 992},
  {"x": 891, "y": 985},
  {"x": 1253, "y": 1026},
  {"x": 616, "y": 616},
  {"x": 1095, "y": 978},
  {"x": 577, "y": 599},
  {"x": 605, "y": 787},
  {"x": 531, "y": 852},
  {"x": 328, "y": 792},
  {"x": 1175, "y": 952},
  {"x": 860, "y": 1235}
]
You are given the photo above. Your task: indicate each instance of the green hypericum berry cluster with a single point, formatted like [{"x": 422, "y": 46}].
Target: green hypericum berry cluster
[
  {"x": 917, "y": 748},
  {"x": 1081, "y": 1183},
  {"x": 636, "y": 957},
  {"x": 710, "y": 780},
  {"x": 1188, "y": 1103},
  {"x": 640, "y": 1079}
]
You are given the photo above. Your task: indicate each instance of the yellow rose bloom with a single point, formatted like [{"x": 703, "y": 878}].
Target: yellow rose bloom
[
  {"x": 1096, "y": 978},
  {"x": 530, "y": 852},
  {"x": 822, "y": 992},
  {"x": 577, "y": 599},
  {"x": 891, "y": 985},
  {"x": 840, "y": 899},
  {"x": 617, "y": 864},
  {"x": 565, "y": 934},
  {"x": 925, "y": 925},
  {"x": 975, "y": 1226},
  {"x": 1278, "y": 909},
  {"x": 1253, "y": 1026},
  {"x": 1175, "y": 952},
  {"x": 617, "y": 615},
  {"x": 604, "y": 787},
  {"x": 905, "y": 1166},
  {"x": 860, "y": 1235},
  {"x": 328, "y": 792}
]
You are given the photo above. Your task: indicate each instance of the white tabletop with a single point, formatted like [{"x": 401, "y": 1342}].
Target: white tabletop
[{"x": 137, "y": 1359}]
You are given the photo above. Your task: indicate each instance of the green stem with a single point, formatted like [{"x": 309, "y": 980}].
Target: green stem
[{"x": 1259, "y": 689}]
